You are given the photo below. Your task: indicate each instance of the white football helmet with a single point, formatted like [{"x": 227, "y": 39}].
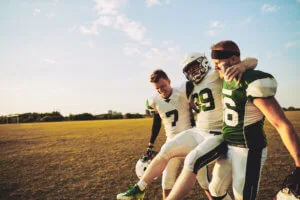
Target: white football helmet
[
  {"x": 195, "y": 66},
  {"x": 142, "y": 165},
  {"x": 285, "y": 194}
]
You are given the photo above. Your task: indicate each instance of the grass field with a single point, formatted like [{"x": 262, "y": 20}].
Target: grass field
[{"x": 96, "y": 159}]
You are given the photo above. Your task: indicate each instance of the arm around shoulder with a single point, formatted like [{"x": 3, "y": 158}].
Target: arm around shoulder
[
  {"x": 237, "y": 71},
  {"x": 249, "y": 63}
]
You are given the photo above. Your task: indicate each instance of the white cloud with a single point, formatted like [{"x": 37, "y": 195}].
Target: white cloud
[
  {"x": 110, "y": 15},
  {"x": 73, "y": 28},
  {"x": 50, "y": 61},
  {"x": 93, "y": 30},
  {"x": 104, "y": 21},
  {"x": 89, "y": 44},
  {"x": 50, "y": 15},
  {"x": 174, "y": 49},
  {"x": 247, "y": 20},
  {"x": 152, "y": 56},
  {"x": 54, "y": 2},
  {"x": 36, "y": 11},
  {"x": 216, "y": 25},
  {"x": 142, "y": 48},
  {"x": 269, "y": 8},
  {"x": 108, "y": 7},
  {"x": 292, "y": 44},
  {"x": 147, "y": 42},
  {"x": 211, "y": 33},
  {"x": 167, "y": 42},
  {"x": 298, "y": 0},
  {"x": 161, "y": 55},
  {"x": 132, "y": 28},
  {"x": 151, "y": 3},
  {"x": 131, "y": 51}
]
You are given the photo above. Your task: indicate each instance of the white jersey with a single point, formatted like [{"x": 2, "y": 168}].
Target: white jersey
[
  {"x": 174, "y": 111},
  {"x": 206, "y": 98}
]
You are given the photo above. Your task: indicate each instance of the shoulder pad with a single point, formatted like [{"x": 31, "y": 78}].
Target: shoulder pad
[
  {"x": 150, "y": 105},
  {"x": 264, "y": 87}
]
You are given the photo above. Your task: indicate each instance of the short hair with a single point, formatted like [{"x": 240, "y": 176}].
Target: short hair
[
  {"x": 158, "y": 74},
  {"x": 226, "y": 45}
]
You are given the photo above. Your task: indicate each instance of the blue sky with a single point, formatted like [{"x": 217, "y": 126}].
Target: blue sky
[{"x": 94, "y": 56}]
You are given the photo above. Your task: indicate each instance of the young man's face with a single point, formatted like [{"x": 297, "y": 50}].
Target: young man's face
[
  {"x": 221, "y": 65},
  {"x": 163, "y": 87}
]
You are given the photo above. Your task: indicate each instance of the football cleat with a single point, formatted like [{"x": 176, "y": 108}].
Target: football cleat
[{"x": 134, "y": 192}]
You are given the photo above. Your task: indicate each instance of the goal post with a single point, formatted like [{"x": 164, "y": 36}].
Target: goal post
[{"x": 12, "y": 117}]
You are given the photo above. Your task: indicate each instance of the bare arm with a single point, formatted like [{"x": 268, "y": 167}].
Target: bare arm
[
  {"x": 237, "y": 71},
  {"x": 273, "y": 112}
]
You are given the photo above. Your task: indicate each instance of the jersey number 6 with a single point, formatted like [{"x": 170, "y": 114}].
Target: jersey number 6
[{"x": 231, "y": 117}]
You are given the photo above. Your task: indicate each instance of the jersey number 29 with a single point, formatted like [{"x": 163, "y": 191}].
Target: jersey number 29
[{"x": 204, "y": 100}]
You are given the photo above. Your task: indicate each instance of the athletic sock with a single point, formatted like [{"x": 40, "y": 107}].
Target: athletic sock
[{"x": 142, "y": 185}]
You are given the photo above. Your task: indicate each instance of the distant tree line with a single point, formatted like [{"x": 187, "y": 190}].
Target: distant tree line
[
  {"x": 55, "y": 116},
  {"x": 291, "y": 109}
]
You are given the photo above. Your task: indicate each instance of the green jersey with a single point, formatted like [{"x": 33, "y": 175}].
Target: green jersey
[{"x": 242, "y": 120}]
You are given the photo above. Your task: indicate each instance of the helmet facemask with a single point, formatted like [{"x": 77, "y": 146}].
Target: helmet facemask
[{"x": 197, "y": 69}]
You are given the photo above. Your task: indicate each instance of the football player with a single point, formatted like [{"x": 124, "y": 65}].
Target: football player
[
  {"x": 204, "y": 90},
  {"x": 246, "y": 104},
  {"x": 170, "y": 107}
]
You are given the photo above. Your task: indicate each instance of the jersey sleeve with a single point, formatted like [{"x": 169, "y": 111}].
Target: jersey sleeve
[
  {"x": 262, "y": 87},
  {"x": 150, "y": 105}
]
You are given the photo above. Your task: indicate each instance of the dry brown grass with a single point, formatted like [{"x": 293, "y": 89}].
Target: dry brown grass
[{"x": 96, "y": 159}]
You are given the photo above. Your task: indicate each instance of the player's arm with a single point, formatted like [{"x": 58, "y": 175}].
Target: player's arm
[
  {"x": 237, "y": 71},
  {"x": 273, "y": 112},
  {"x": 156, "y": 125}
]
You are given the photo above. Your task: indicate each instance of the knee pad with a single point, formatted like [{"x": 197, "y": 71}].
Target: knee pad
[
  {"x": 218, "y": 192},
  {"x": 167, "y": 149}
]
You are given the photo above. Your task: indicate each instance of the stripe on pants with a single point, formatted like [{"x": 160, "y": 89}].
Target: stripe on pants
[
  {"x": 252, "y": 174},
  {"x": 210, "y": 156}
]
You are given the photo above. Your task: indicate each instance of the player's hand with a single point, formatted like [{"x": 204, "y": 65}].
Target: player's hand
[
  {"x": 292, "y": 183},
  {"x": 235, "y": 71},
  {"x": 150, "y": 151}
]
